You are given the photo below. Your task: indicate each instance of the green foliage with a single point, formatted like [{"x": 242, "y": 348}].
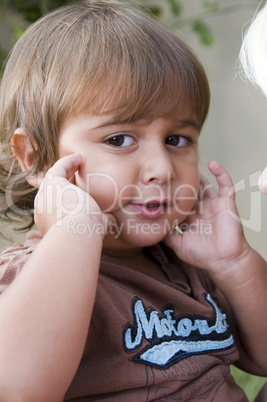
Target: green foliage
[
  {"x": 16, "y": 33},
  {"x": 176, "y": 7},
  {"x": 249, "y": 383},
  {"x": 31, "y": 10},
  {"x": 211, "y": 5},
  {"x": 154, "y": 11},
  {"x": 204, "y": 32}
]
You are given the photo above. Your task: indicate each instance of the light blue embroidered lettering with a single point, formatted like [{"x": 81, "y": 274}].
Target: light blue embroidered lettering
[
  {"x": 143, "y": 326},
  {"x": 171, "y": 338}
]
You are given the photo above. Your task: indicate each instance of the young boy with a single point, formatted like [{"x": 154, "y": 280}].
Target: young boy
[{"x": 101, "y": 110}]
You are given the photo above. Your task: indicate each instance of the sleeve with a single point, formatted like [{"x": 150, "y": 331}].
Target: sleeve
[{"x": 13, "y": 259}]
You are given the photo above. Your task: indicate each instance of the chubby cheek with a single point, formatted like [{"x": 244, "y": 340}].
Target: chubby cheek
[
  {"x": 105, "y": 185},
  {"x": 101, "y": 187},
  {"x": 185, "y": 196},
  {"x": 109, "y": 183}
]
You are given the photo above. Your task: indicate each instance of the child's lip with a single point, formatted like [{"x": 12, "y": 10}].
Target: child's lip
[
  {"x": 152, "y": 208},
  {"x": 154, "y": 202}
]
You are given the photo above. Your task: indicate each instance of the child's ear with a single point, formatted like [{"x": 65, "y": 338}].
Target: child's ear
[
  {"x": 24, "y": 152},
  {"x": 22, "y": 149}
]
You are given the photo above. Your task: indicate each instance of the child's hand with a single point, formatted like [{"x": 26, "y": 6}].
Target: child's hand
[
  {"x": 213, "y": 238},
  {"x": 59, "y": 198}
]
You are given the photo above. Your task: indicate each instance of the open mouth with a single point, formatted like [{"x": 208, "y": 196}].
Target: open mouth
[
  {"x": 155, "y": 205},
  {"x": 152, "y": 209}
]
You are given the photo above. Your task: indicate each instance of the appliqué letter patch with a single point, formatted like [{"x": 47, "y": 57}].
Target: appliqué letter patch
[{"x": 170, "y": 339}]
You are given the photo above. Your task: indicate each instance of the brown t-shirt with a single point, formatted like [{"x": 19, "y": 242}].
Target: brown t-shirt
[{"x": 149, "y": 339}]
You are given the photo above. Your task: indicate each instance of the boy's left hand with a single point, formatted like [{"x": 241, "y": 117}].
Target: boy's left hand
[
  {"x": 238, "y": 271},
  {"x": 213, "y": 238}
]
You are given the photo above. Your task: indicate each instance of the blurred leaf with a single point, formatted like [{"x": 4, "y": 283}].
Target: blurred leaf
[
  {"x": 153, "y": 11},
  {"x": 29, "y": 9},
  {"x": 16, "y": 34},
  {"x": 176, "y": 7},
  {"x": 211, "y": 5},
  {"x": 203, "y": 31}
]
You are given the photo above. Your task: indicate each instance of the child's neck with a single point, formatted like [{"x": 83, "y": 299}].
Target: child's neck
[
  {"x": 137, "y": 260},
  {"x": 123, "y": 253}
]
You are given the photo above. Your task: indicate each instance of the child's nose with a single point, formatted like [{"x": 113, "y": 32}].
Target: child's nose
[{"x": 157, "y": 166}]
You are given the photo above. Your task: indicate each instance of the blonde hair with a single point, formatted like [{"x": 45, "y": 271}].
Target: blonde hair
[
  {"x": 253, "y": 53},
  {"x": 98, "y": 56}
]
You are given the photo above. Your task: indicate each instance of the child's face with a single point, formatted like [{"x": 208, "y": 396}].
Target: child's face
[{"x": 145, "y": 173}]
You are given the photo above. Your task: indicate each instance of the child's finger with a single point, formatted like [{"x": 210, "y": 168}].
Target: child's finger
[
  {"x": 206, "y": 189},
  {"x": 65, "y": 167},
  {"x": 226, "y": 187}
]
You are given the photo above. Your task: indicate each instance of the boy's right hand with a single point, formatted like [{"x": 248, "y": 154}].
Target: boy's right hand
[{"x": 58, "y": 198}]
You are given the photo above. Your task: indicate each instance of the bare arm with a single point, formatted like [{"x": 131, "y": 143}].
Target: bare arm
[
  {"x": 243, "y": 297},
  {"x": 45, "y": 313},
  {"x": 239, "y": 272}
]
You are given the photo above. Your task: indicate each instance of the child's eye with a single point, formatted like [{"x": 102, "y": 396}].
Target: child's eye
[
  {"x": 121, "y": 140},
  {"x": 178, "y": 141}
]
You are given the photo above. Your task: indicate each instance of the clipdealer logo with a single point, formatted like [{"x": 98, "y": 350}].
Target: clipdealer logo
[
  {"x": 58, "y": 193},
  {"x": 138, "y": 228}
]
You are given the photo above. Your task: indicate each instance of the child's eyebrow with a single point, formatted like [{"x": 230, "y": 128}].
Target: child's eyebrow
[
  {"x": 113, "y": 121},
  {"x": 177, "y": 121},
  {"x": 186, "y": 123}
]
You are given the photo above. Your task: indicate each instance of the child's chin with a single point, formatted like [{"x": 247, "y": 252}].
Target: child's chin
[
  {"x": 146, "y": 240},
  {"x": 133, "y": 241}
]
